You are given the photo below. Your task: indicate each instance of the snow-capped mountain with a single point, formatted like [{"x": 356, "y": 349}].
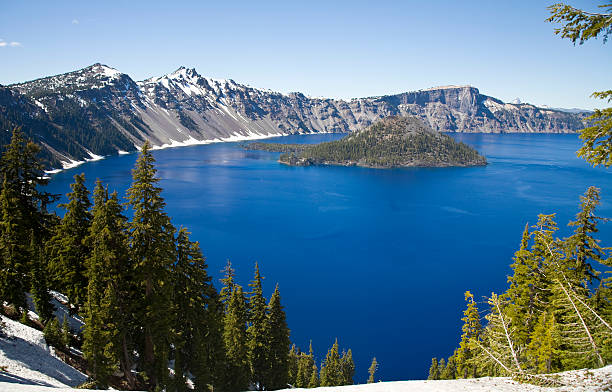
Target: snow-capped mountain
[{"x": 98, "y": 111}]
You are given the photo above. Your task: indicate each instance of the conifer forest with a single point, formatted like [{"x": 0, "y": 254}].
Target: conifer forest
[{"x": 153, "y": 317}]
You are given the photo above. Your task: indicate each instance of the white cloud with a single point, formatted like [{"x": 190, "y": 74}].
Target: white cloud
[
  {"x": 14, "y": 44},
  {"x": 75, "y": 21}
]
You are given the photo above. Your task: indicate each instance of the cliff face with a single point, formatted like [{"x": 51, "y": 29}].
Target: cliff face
[{"x": 100, "y": 111}]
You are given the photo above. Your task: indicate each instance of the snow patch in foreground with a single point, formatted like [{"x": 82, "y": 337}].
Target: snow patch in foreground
[{"x": 28, "y": 360}]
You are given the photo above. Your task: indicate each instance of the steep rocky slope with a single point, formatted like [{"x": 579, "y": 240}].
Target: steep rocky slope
[{"x": 99, "y": 111}]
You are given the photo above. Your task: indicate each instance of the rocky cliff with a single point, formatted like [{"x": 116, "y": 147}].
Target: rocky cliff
[{"x": 99, "y": 111}]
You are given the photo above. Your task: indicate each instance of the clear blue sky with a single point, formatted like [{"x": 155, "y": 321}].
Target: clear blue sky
[{"x": 321, "y": 48}]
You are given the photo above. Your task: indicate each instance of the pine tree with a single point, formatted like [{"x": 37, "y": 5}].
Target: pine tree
[
  {"x": 434, "y": 372},
  {"x": 23, "y": 212},
  {"x": 53, "y": 333},
  {"x": 69, "y": 250},
  {"x": 471, "y": 331},
  {"x": 23, "y": 174},
  {"x": 347, "y": 368},
  {"x": 278, "y": 344},
  {"x": 294, "y": 364},
  {"x": 525, "y": 290},
  {"x": 152, "y": 251},
  {"x": 228, "y": 283},
  {"x": 498, "y": 348},
  {"x": 315, "y": 380},
  {"x": 40, "y": 288},
  {"x": 581, "y": 247},
  {"x": 331, "y": 371},
  {"x": 450, "y": 370},
  {"x": 192, "y": 297},
  {"x": 543, "y": 351},
  {"x": 109, "y": 292},
  {"x": 306, "y": 363},
  {"x": 258, "y": 333},
  {"x": 374, "y": 367},
  {"x": 13, "y": 251},
  {"x": 235, "y": 342}
]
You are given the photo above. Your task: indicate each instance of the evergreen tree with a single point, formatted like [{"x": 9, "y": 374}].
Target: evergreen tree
[
  {"x": 314, "y": 381},
  {"x": 109, "y": 292},
  {"x": 228, "y": 283},
  {"x": 582, "y": 247},
  {"x": 235, "y": 342},
  {"x": 13, "y": 251},
  {"x": 580, "y": 26},
  {"x": 306, "y": 363},
  {"x": 40, "y": 288},
  {"x": 69, "y": 250},
  {"x": 152, "y": 251},
  {"x": 23, "y": 206},
  {"x": 374, "y": 367},
  {"x": 53, "y": 333},
  {"x": 347, "y": 367},
  {"x": 523, "y": 296},
  {"x": 23, "y": 174},
  {"x": 434, "y": 372},
  {"x": 543, "y": 350},
  {"x": 192, "y": 296},
  {"x": 441, "y": 368},
  {"x": 331, "y": 371},
  {"x": 278, "y": 344},
  {"x": 294, "y": 364},
  {"x": 258, "y": 333},
  {"x": 471, "y": 331},
  {"x": 450, "y": 370},
  {"x": 498, "y": 346}
]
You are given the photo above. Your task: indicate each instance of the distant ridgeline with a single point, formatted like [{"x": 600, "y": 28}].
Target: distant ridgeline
[
  {"x": 390, "y": 142},
  {"x": 99, "y": 111}
]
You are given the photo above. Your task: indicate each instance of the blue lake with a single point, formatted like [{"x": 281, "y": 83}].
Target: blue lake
[{"x": 378, "y": 258}]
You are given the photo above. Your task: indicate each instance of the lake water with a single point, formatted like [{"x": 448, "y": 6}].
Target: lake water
[{"x": 378, "y": 258}]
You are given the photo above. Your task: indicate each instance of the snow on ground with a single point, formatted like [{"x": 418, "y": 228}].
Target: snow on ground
[
  {"x": 26, "y": 359},
  {"x": 59, "y": 301},
  {"x": 27, "y": 364}
]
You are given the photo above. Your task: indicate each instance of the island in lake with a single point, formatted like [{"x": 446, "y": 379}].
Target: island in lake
[{"x": 388, "y": 143}]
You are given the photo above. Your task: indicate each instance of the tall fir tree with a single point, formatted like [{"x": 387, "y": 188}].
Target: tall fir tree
[
  {"x": 228, "y": 281},
  {"x": 543, "y": 351},
  {"x": 294, "y": 365},
  {"x": 237, "y": 370},
  {"x": 258, "y": 333},
  {"x": 39, "y": 284},
  {"x": 471, "y": 331},
  {"x": 434, "y": 370},
  {"x": 306, "y": 363},
  {"x": 449, "y": 372},
  {"x": 347, "y": 368},
  {"x": 108, "y": 309},
  {"x": 13, "y": 251},
  {"x": 315, "y": 380},
  {"x": 68, "y": 247},
  {"x": 23, "y": 210},
  {"x": 23, "y": 173},
  {"x": 331, "y": 370},
  {"x": 581, "y": 247},
  {"x": 278, "y": 344},
  {"x": 152, "y": 251},
  {"x": 374, "y": 368},
  {"x": 192, "y": 298}
]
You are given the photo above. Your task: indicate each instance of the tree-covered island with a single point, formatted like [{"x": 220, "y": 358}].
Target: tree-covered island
[{"x": 389, "y": 143}]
